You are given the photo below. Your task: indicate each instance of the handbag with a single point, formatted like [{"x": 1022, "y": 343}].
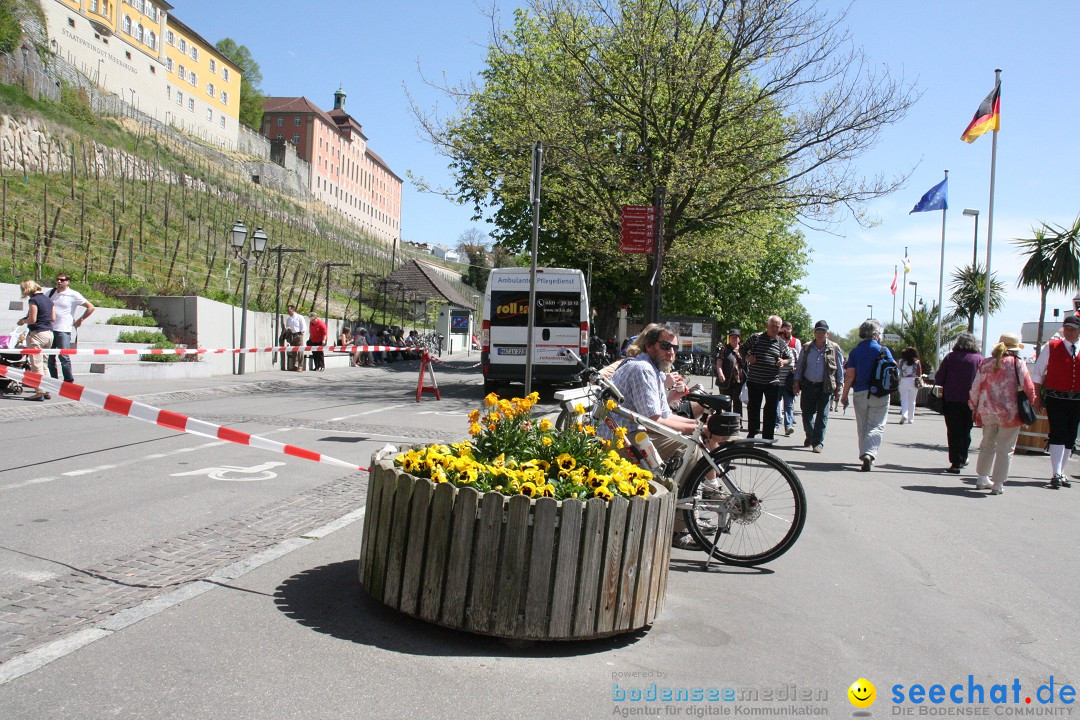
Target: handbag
[{"x": 1023, "y": 404}]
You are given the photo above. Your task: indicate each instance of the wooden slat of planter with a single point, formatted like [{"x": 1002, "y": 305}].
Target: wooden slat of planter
[
  {"x": 513, "y": 571},
  {"x": 414, "y": 554},
  {"x": 665, "y": 551},
  {"x": 442, "y": 507},
  {"x": 663, "y": 540},
  {"x": 459, "y": 557},
  {"x": 566, "y": 567},
  {"x": 592, "y": 548},
  {"x": 645, "y": 576},
  {"x": 371, "y": 519},
  {"x": 538, "y": 601},
  {"x": 399, "y": 537},
  {"x": 631, "y": 565},
  {"x": 382, "y": 539},
  {"x": 486, "y": 557},
  {"x": 611, "y": 560}
]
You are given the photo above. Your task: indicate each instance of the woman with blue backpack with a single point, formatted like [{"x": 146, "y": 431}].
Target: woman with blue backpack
[{"x": 871, "y": 372}]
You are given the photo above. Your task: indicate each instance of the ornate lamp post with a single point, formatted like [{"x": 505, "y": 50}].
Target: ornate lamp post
[{"x": 258, "y": 244}]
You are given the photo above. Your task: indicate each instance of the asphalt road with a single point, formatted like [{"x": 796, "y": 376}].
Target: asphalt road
[{"x": 904, "y": 576}]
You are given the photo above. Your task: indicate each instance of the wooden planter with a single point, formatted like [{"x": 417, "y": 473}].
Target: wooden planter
[{"x": 512, "y": 566}]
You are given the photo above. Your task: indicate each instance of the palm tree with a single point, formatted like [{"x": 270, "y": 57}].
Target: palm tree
[
  {"x": 1053, "y": 264},
  {"x": 920, "y": 332},
  {"x": 968, "y": 288}
]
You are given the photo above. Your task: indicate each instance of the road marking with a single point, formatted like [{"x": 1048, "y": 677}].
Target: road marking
[
  {"x": 99, "y": 468},
  {"x": 257, "y": 472},
  {"x": 368, "y": 412},
  {"x": 39, "y": 657}
]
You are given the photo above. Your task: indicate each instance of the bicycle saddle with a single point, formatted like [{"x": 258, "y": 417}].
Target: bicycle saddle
[{"x": 716, "y": 403}]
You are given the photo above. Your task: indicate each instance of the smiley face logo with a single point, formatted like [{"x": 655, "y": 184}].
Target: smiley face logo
[{"x": 862, "y": 693}]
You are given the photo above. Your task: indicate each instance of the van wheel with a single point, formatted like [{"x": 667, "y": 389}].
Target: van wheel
[{"x": 490, "y": 386}]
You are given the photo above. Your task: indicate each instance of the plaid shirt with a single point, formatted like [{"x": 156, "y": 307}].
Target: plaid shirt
[{"x": 642, "y": 386}]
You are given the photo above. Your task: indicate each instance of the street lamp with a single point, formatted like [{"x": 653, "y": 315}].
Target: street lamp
[
  {"x": 280, "y": 357},
  {"x": 975, "y": 246},
  {"x": 258, "y": 243},
  {"x": 914, "y": 297}
]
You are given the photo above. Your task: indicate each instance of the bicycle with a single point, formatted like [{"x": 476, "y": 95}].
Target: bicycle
[{"x": 742, "y": 505}]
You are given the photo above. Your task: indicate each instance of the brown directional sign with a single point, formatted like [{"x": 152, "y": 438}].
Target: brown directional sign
[{"x": 638, "y": 229}]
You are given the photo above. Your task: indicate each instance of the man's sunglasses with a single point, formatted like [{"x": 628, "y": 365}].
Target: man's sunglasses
[
  {"x": 63, "y": 279},
  {"x": 665, "y": 345}
]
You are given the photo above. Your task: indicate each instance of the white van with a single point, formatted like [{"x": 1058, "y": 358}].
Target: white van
[{"x": 562, "y": 321}]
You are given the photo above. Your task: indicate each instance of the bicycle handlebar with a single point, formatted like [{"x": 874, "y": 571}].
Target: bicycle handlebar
[{"x": 594, "y": 375}]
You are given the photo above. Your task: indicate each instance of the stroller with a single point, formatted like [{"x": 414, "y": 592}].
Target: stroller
[{"x": 8, "y": 386}]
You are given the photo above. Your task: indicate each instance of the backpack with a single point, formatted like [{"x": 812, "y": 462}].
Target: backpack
[{"x": 885, "y": 375}]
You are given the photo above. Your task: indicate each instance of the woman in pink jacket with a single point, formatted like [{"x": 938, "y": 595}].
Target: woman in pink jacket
[{"x": 993, "y": 401}]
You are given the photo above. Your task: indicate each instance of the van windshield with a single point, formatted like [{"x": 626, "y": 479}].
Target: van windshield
[{"x": 510, "y": 308}]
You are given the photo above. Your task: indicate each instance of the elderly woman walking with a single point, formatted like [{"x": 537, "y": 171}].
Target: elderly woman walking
[
  {"x": 993, "y": 398},
  {"x": 954, "y": 376}
]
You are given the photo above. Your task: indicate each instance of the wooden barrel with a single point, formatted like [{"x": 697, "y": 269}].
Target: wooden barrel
[
  {"x": 512, "y": 566},
  {"x": 1033, "y": 438}
]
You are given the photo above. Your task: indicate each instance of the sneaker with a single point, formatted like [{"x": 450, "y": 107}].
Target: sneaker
[
  {"x": 1055, "y": 482},
  {"x": 789, "y": 431},
  {"x": 867, "y": 463},
  {"x": 818, "y": 448},
  {"x": 685, "y": 541},
  {"x": 903, "y": 420},
  {"x": 997, "y": 489},
  {"x": 983, "y": 484},
  {"x": 1065, "y": 481},
  {"x": 954, "y": 469},
  {"x": 806, "y": 442}
]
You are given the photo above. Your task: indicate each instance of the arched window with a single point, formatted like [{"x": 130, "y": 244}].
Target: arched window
[
  {"x": 139, "y": 32},
  {"x": 126, "y": 25},
  {"x": 151, "y": 40}
]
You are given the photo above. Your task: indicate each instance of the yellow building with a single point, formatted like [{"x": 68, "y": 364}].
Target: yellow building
[{"x": 139, "y": 51}]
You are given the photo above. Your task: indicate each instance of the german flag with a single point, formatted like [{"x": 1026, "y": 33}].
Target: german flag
[{"x": 987, "y": 117}]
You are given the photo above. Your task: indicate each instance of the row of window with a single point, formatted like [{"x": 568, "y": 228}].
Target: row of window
[
  {"x": 146, "y": 8},
  {"x": 182, "y": 45},
  {"x": 191, "y": 106},
  {"x": 148, "y": 37},
  {"x": 193, "y": 78}
]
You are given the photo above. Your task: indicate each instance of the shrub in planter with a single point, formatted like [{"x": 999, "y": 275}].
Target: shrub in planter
[
  {"x": 132, "y": 320},
  {"x": 521, "y": 531},
  {"x": 142, "y": 336}
]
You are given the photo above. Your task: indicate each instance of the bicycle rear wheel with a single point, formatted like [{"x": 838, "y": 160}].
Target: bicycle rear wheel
[{"x": 757, "y": 527}]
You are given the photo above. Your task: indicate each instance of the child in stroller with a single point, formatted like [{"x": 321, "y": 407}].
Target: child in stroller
[{"x": 16, "y": 339}]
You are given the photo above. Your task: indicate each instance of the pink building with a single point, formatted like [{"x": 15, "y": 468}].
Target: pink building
[{"x": 345, "y": 173}]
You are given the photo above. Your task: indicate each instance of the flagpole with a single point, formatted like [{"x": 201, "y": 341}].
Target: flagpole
[
  {"x": 990, "y": 226},
  {"x": 941, "y": 280},
  {"x": 894, "y": 271},
  {"x": 903, "y": 296}
]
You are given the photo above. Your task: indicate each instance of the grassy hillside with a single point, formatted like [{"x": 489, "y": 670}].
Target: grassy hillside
[{"x": 163, "y": 229}]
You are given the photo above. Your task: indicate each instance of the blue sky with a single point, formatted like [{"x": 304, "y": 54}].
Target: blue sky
[{"x": 949, "y": 49}]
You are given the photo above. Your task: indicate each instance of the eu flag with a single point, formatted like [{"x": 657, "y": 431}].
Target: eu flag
[{"x": 936, "y": 198}]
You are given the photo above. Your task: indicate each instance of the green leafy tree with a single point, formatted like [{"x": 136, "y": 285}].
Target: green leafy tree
[
  {"x": 746, "y": 112},
  {"x": 472, "y": 247},
  {"x": 251, "y": 96},
  {"x": 1053, "y": 263},
  {"x": 920, "y": 332},
  {"x": 968, "y": 288}
]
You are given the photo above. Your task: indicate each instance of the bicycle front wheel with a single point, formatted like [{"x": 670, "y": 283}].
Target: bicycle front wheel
[{"x": 755, "y": 525}]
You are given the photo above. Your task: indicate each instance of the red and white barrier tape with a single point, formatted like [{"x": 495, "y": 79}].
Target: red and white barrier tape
[
  {"x": 207, "y": 351},
  {"x": 164, "y": 418}
]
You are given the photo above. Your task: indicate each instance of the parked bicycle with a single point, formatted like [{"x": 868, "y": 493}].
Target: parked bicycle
[{"x": 742, "y": 505}]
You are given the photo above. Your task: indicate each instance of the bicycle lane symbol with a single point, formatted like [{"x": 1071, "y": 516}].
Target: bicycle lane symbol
[{"x": 236, "y": 473}]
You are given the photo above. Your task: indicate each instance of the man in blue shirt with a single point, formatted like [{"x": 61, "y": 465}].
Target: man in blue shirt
[{"x": 870, "y": 411}]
